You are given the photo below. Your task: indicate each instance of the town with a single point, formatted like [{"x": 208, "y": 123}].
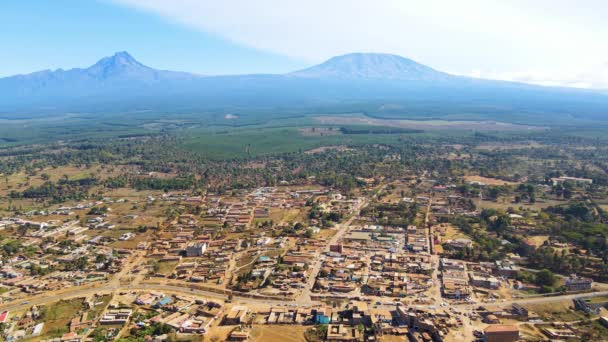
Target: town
[{"x": 392, "y": 260}]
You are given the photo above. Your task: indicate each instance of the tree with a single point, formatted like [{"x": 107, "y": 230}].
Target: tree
[{"x": 545, "y": 277}]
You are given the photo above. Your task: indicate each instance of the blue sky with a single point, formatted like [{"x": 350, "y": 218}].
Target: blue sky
[
  {"x": 551, "y": 42},
  {"x": 43, "y": 34}
]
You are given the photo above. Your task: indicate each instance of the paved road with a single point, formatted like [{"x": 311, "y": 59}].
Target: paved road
[
  {"x": 112, "y": 287},
  {"x": 84, "y": 292},
  {"x": 304, "y": 297}
]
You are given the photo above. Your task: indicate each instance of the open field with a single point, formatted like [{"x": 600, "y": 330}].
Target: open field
[
  {"x": 287, "y": 215},
  {"x": 21, "y": 180},
  {"x": 278, "y": 333},
  {"x": 505, "y": 203},
  {"x": 327, "y": 148},
  {"x": 166, "y": 267},
  {"x": 452, "y": 232},
  {"x": 494, "y": 146},
  {"x": 557, "y": 311},
  {"x": 101, "y": 302},
  {"x": 537, "y": 240},
  {"x": 426, "y": 124},
  {"x": 488, "y": 181},
  {"x": 58, "y": 315},
  {"x": 241, "y": 143}
]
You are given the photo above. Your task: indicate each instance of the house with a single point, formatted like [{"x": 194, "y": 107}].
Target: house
[
  {"x": 119, "y": 316},
  {"x": 501, "y": 333},
  {"x": 196, "y": 249},
  {"x": 323, "y": 316},
  {"x": 146, "y": 299},
  {"x": 575, "y": 283},
  {"x": 340, "y": 332},
  {"x": 520, "y": 310},
  {"x": 484, "y": 280},
  {"x": 3, "y": 316},
  {"x": 460, "y": 243},
  {"x": 236, "y": 316},
  {"x": 589, "y": 305},
  {"x": 162, "y": 302},
  {"x": 337, "y": 248},
  {"x": 506, "y": 268},
  {"x": 38, "y": 329},
  {"x": 491, "y": 319},
  {"x": 238, "y": 336},
  {"x": 577, "y": 180}
]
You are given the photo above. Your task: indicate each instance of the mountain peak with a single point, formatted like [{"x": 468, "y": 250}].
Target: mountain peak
[
  {"x": 120, "y": 65},
  {"x": 371, "y": 66},
  {"x": 124, "y": 57},
  {"x": 120, "y": 59}
]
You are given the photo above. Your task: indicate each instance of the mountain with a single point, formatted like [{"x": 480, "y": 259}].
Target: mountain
[
  {"x": 372, "y": 66},
  {"x": 118, "y": 71},
  {"x": 380, "y": 85},
  {"x": 122, "y": 66}
]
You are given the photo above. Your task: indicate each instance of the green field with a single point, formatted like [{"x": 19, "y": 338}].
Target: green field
[
  {"x": 264, "y": 141},
  {"x": 56, "y": 316}
]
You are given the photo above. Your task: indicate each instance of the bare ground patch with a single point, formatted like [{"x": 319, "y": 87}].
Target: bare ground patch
[
  {"x": 339, "y": 148},
  {"x": 427, "y": 124},
  {"x": 494, "y": 146},
  {"x": 488, "y": 181}
]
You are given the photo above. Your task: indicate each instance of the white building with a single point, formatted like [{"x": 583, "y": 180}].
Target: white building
[{"x": 196, "y": 249}]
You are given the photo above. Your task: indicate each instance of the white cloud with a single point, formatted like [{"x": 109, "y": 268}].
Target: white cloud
[
  {"x": 448, "y": 35},
  {"x": 595, "y": 77}
]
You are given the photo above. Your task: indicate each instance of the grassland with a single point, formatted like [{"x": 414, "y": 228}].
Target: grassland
[
  {"x": 57, "y": 316},
  {"x": 96, "y": 311},
  {"x": 557, "y": 311},
  {"x": 266, "y": 141},
  {"x": 166, "y": 267}
]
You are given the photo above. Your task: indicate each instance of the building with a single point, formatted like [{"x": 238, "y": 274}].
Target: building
[
  {"x": 484, "y": 280},
  {"x": 590, "y": 305},
  {"x": 238, "y": 336},
  {"x": 502, "y": 333},
  {"x": 162, "y": 302},
  {"x": 3, "y": 316},
  {"x": 575, "y": 283},
  {"x": 507, "y": 269},
  {"x": 236, "y": 316},
  {"x": 323, "y": 316},
  {"x": 196, "y": 249},
  {"x": 120, "y": 316},
  {"x": 337, "y": 248},
  {"x": 340, "y": 332},
  {"x": 576, "y": 180},
  {"x": 460, "y": 243},
  {"x": 520, "y": 310}
]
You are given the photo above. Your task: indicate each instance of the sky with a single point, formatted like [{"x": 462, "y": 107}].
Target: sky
[{"x": 550, "y": 42}]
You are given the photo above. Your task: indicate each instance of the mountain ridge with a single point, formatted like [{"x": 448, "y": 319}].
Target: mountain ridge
[{"x": 120, "y": 83}]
